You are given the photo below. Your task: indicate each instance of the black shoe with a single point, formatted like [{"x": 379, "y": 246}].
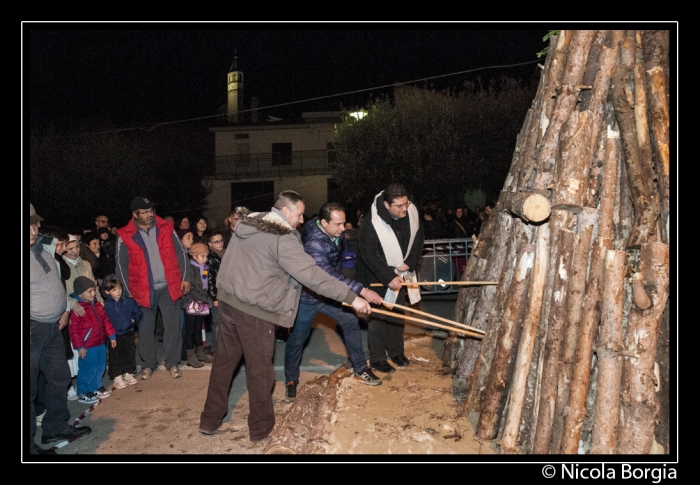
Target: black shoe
[
  {"x": 382, "y": 366},
  {"x": 400, "y": 361},
  {"x": 291, "y": 392},
  {"x": 35, "y": 449},
  {"x": 72, "y": 434}
]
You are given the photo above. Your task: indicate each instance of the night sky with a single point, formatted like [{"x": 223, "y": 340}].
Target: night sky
[{"x": 142, "y": 74}]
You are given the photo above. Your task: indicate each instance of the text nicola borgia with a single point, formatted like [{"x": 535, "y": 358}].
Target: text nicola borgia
[{"x": 625, "y": 471}]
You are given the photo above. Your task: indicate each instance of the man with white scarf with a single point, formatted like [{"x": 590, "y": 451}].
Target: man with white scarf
[{"x": 389, "y": 249}]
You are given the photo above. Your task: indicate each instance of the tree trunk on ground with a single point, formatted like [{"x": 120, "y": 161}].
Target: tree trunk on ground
[
  {"x": 640, "y": 407},
  {"x": 303, "y": 427},
  {"x": 604, "y": 439}
]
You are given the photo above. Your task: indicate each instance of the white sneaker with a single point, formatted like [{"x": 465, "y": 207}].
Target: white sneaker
[
  {"x": 119, "y": 382},
  {"x": 130, "y": 379},
  {"x": 72, "y": 395}
]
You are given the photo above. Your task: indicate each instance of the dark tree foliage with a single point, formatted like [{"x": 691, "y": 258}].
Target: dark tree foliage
[
  {"x": 73, "y": 179},
  {"x": 435, "y": 143}
]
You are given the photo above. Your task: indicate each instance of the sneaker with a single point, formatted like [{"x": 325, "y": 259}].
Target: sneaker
[
  {"x": 382, "y": 366},
  {"x": 368, "y": 377},
  {"x": 401, "y": 361},
  {"x": 175, "y": 372},
  {"x": 72, "y": 395},
  {"x": 291, "y": 393},
  {"x": 129, "y": 379},
  {"x": 102, "y": 393},
  {"x": 146, "y": 373},
  {"x": 119, "y": 383},
  {"x": 40, "y": 417},
  {"x": 88, "y": 398}
]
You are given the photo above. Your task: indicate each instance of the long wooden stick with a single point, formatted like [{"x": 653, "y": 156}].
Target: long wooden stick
[
  {"x": 441, "y": 283},
  {"x": 426, "y": 314},
  {"x": 425, "y": 322}
]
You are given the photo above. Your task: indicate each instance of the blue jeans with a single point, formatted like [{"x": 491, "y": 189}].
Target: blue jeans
[
  {"x": 47, "y": 354},
  {"x": 91, "y": 369},
  {"x": 302, "y": 328}
]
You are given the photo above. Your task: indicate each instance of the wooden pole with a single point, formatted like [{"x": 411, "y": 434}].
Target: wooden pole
[
  {"x": 609, "y": 351},
  {"x": 425, "y": 322},
  {"x": 441, "y": 283},
  {"x": 426, "y": 314}
]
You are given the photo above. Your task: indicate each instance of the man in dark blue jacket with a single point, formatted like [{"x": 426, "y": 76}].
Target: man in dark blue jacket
[{"x": 323, "y": 241}]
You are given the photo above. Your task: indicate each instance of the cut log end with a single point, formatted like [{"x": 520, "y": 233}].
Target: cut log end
[{"x": 536, "y": 208}]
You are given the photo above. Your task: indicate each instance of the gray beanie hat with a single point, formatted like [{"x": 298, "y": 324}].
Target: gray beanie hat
[{"x": 82, "y": 284}]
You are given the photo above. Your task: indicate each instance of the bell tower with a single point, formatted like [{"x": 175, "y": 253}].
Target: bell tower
[{"x": 234, "y": 81}]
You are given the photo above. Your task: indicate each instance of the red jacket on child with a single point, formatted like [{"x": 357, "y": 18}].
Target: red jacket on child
[{"x": 93, "y": 328}]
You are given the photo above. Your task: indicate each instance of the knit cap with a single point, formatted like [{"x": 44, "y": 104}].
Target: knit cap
[
  {"x": 198, "y": 248},
  {"x": 82, "y": 284}
]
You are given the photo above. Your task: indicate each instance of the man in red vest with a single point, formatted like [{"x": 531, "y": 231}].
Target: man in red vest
[{"x": 152, "y": 263}]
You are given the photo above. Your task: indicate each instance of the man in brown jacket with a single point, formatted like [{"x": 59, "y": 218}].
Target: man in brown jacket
[{"x": 258, "y": 286}]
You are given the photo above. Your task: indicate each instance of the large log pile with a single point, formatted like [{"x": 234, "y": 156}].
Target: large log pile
[{"x": 575, "y": 355}]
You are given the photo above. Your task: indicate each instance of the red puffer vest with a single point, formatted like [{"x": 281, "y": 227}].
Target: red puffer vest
[{"x": 139, "y": 276}]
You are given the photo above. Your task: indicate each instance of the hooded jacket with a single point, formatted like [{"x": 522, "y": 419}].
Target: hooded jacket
[
  {"x": 327, "y": 252},
  {"x": 265, "y": 266}
]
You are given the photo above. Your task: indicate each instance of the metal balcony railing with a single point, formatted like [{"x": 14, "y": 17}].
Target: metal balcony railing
[{"x": 260, "y": 165}]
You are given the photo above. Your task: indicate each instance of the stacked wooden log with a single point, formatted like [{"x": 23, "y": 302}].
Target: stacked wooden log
[{"x": 578, "y": 242}]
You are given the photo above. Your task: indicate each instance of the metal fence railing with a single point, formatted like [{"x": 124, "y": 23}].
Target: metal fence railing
[
  {"x": 443, "y": 259},
  {"x": 259, "y": 165}
]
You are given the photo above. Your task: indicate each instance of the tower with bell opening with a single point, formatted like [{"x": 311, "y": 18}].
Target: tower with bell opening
[{"x": 234, "y": 82}]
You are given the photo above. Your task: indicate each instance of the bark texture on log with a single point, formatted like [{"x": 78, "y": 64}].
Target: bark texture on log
[
  {"x": 604, "y": 439},
  {"x": 561, "y": 225},
  {"x": 567, "y": 96},
  {"x": 527, "y": 343},
  {"x": 480, "y": 368},
  {"x": 301, "y": 432},
  {"x": 580, "y": 374},
  {"x": 585, "y": 223},
  {"x": 529, "y": 206},
  {"x": 639, "y": 170},
  {"x": 640, "y": 407},
  {"x": 595, "y": 143},
  {"x": 655, "y": 48},
  {"x": 502, "y": 362}
]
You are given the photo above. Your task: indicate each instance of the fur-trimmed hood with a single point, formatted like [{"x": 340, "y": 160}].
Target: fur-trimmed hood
[{"x": 272, "y": 222}]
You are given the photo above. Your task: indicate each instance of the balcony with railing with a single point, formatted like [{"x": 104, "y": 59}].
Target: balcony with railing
[{"x": 280, "y": 164}]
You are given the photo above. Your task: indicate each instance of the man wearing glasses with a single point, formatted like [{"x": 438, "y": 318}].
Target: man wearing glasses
[
  {"x": 390, "y": 245},
  {"x": 153, "y": 264}
]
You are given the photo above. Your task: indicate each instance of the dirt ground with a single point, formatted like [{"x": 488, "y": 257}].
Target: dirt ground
[{"x": 413, "y": 412}]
